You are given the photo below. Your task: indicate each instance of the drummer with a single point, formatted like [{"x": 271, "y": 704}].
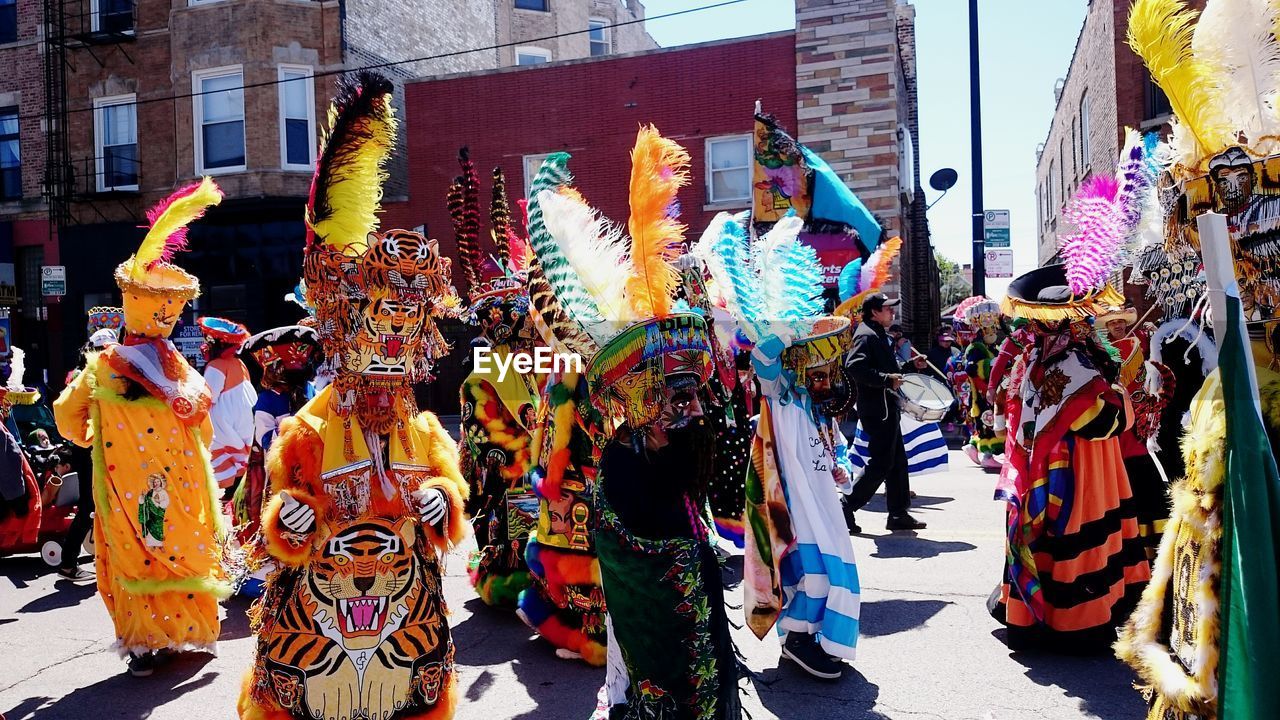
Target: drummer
[{"x": 874, "y": 368}]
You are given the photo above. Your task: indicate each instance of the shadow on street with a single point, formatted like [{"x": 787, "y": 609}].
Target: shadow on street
[
  {"x": 886, "y": 617},
  {"x": 131, "y": 698},
  {"x": 784, "y": 688}
]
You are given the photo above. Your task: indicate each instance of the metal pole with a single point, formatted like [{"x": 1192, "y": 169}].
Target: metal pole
[{"x": 975, "y": 143}]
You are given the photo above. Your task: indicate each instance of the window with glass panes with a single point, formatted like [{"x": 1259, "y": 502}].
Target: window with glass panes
[
  {"x": 728, "y": 169},
  {"x": 220, "y": 120},
  {"x": 532, "y": 56},
  {"x": 598, "y": 32},
  {"x": 532, "y": 5},
  {"x": 116, "y": 127},
  {"x": 8, "y": 21},
  {"x": 297, "y": 117},
  {"x": 113, "y": 16},
  {"x": 10, "y": 155},
  {"x": 532, "y": 163}
]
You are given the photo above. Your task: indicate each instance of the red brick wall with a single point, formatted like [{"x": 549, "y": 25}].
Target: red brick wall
[{"x": 590, "y": 109}]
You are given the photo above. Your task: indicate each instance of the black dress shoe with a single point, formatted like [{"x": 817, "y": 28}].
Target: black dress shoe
[
  {"x": 848, "y": 519},
  {"x": 904, "y": 522}
]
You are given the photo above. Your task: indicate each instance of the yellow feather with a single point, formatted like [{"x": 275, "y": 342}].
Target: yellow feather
[
  {"x": 179, "y": 210},
  {"x": 1160, "y": 32},
  {"x": 354, "y": 151},
  {"x": 659, "y": 168}
]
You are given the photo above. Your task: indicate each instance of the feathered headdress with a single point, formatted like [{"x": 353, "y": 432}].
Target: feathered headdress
[
  {"x": 149, "y": 271},
  {"x": 859, "y": 279},
  {"x": 16, "y": 391},
  {"x": 621, "y": 291}
]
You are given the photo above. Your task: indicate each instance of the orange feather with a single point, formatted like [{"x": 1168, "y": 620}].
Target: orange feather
[
  {"x": 659, "y": 168},
  {"x": 888, "y": 251}
]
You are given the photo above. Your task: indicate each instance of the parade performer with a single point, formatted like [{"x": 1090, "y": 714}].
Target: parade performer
[
  {"x": 923, "y": 443},
  {"x": 1205, "y": 639},
  {"x": 499, "y": 404},
  {"x": 145, "y": 413},
  {"x": 233, "y": 398},
  {"x": 286, "y": 357},
  {"x": 365, "y": 490},
  {"x": 21, "y": 507},
  {"x": 800, "y": 574},
  {"x": 982, "y": 317},
  {"x": 1074, "y": 560},
  {"x": 565, "y": 603},
  {"x": 1149, "y": 386},
  {"x": 646, "y": 381}
]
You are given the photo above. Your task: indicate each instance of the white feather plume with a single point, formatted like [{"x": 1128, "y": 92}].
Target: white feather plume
[
  {"x": 1235, "y": 39},
  {"x": 17, "y": 370},
  {"x": 594, "y": 248}
]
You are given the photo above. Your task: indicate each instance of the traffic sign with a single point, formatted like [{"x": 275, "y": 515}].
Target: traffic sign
[
  {"x": 999, "y": 262},
  {"x": 995, "y": 230},
  {"x": 53, "y": 280}
]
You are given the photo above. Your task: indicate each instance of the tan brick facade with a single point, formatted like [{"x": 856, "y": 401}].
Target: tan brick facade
[{"x": 527, "y": 28}]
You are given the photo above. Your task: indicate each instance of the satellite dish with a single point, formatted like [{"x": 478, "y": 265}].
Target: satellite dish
[{"x": 943, "y": 180}]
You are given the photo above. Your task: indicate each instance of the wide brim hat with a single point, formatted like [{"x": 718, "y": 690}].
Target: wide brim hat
[
  {"x": 286, "y": 334},
  {"x": 162, "y": 280},
  {"x": 1112, "y": 314},
  {"x": 1044, "y": 295},
  {"x": 625, "y": 379},
  {"x": 223, "y": 330}
]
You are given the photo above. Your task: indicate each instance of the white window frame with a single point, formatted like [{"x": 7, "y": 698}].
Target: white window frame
[
  {"x": 1084, "y": 132},
  {"x": 532, "y": 50},
  {"x": 310, "y": 82},
  {"x": 608, "y": 36},
  {"x": 197, "y": 117},
  {"x": 95, "y": 18},
  {"x": 99, "y": 148},
  {"x": 710, "y": 181},
  {"x": 531, "y": 172}
]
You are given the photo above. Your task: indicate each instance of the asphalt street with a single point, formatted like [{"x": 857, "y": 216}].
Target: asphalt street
[{"x": 928, "y": 647}]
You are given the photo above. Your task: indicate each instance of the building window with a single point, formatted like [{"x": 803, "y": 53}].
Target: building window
[
  {"x": 531, "y": 5},
  {"x": 10, "y": 155},
  {"x": 1157, "y": 103},
  {"x": 219, "y": 119},
  {"x": 115, "y": 136},
  {"x": 598, "y": 31},
  {"x": 1051, "y": 211},
  {"x": 297, "y": 117},
  {"x": 728, "y": 169},
  {"x": 531, "y": 165},
  {"x": 111, "y": 16},
  {"x": 1075, "y": 155},
  {"x": 8, "y": 21},
  {"x": 1062, "y": 167},
  {"x": 532, "y": 56},
  {"x": 1084, "y": 130}
]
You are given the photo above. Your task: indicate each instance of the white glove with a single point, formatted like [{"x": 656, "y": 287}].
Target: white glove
[
  {"x": 297, "y": 517},
  {"x": 432, "y": 505}
]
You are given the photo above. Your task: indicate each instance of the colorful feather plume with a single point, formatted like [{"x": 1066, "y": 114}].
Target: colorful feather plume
[
  {"x": 500, "y": 219},
  {"x": 168, "y": 222},
  {"x": 790, "y": 275},
  {"x": 1160, "y": 32},
  {"x": 850, "y": 280},
  {"x": 570, "y": 293},
  {"x": 725, "y": 250},
  {"x": 594, "y": 249},
  {"x": 556, "y": 328},
  {"x": 659, "y": 168},
  {"x": 17, "y": 370},
  {"x": 519, "y": 252},
  {"x": 1235, "y": 40},
  {"x": 875, "y": 271},
  {"x": 464, "y": 210},
  {"x": 346, "y": 189},
  {"x": 963, "y": 308},
  {"x": 1093, "y": 250}
]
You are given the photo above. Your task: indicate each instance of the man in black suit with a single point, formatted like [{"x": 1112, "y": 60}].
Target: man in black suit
[{"x": 874, "y": 369}]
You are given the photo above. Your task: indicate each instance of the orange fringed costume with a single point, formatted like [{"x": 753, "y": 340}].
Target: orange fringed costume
[
  {"x": 365, "y": 491},
  {"x": 144, "y": 412}
]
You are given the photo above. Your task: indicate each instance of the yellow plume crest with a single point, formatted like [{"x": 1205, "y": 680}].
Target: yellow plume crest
[
  {"x": 346, "y": 190},
  {"x": 168, "y": 223},
  {"x": 1160, "y": 32},
  {"x": 659, "y": 168}
]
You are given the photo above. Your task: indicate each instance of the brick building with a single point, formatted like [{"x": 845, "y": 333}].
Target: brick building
[
  {"x": 1106, "y": 89},
  {"x": 843, "y": 82},
  {"x": 114, "y": 103},
  {"x": 527, "y": 29}
]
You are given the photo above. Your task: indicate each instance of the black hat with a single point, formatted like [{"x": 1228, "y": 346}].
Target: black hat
[{"x": 878, "y": 301}]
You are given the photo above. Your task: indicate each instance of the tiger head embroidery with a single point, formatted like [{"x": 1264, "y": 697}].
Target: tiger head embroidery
[{"x": 363, "y": 579}]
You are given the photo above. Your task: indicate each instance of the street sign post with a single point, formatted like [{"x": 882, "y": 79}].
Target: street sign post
[
  {"x": 995, "y": 230},
  {"x": 999, "y": 262},
  {"x": 53, "y": 280}
]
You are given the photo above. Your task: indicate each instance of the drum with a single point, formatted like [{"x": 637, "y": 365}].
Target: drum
[{"x": 924, "y": 398}]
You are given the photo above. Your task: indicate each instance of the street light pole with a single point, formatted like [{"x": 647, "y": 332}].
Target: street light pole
[{"x": 975, "y": 143}]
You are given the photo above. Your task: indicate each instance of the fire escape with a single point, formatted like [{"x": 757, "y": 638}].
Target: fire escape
[{"x": 80, "y": 34}]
